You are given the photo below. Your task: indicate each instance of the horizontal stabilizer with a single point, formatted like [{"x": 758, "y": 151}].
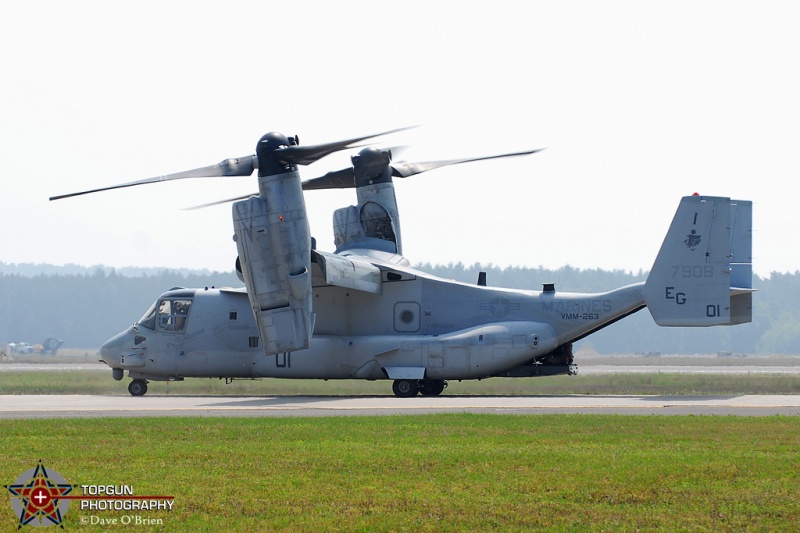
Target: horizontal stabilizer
[{"x": 703, "y": 273}]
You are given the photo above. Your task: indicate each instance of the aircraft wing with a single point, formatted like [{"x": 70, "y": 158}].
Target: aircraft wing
[{"x": 351, "y": 272}]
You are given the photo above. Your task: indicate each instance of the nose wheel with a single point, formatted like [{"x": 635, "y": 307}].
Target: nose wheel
[{"x": 137, "y": 387}]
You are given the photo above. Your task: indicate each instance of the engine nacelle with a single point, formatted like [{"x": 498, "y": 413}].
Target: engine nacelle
[
  {"x": 274, "y": 244},
  {"x": 370, "y": 220},
  {"x": 376, "y": 217}
]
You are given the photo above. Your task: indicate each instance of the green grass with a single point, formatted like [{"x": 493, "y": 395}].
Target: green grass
[
  {"x": 444, "y": 472},
  {"x": 96, "y": 382}
]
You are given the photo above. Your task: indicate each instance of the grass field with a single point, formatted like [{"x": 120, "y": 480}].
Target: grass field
[{"x": 445, "y": 472}]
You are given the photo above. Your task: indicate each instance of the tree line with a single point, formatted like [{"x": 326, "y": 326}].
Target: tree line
[{"x": 86, "y": 308}]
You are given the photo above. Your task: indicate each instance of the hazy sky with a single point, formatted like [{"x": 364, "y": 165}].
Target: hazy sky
[{"x": 638, "y": 104}]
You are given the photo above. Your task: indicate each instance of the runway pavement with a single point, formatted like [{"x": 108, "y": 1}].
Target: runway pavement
[{"x": 92, "y": 406}]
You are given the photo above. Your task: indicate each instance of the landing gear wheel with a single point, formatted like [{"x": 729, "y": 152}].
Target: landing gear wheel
[
  {"x": 432, "y": 387},
  {"x": 137, "y": 387},
  {"x": 405, "y": 388}
]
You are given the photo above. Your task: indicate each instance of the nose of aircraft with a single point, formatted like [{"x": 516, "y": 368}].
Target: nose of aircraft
[{"x": 111, "y": 350}]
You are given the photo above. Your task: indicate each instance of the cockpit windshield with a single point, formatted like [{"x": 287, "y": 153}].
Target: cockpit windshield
[
  {"x": 149, "y": 319},
  {"x": 167, "y": 315}
]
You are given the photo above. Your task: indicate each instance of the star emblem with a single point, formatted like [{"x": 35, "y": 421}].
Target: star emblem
[
  {"x": 499, "y": 307},
  {"x": 35, "y": 496}
]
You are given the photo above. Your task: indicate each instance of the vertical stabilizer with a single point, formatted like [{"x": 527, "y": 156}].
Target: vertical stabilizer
[{"x": 703, "y": 273}]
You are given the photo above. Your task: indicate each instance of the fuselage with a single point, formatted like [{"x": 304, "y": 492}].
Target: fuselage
[{"x": 443, "y": 328}]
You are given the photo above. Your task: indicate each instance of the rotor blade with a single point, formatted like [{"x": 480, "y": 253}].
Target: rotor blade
[
  {"x": 337, "y": 179},
  {"x": 405, "y": 169},
  {"x": 305, "y": 155},
  {"x": 237, "y": 166},
  {"x": 218, "y": 202}
]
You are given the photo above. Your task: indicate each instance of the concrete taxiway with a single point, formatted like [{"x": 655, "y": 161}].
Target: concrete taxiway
[{"x": 91, "y": 406}]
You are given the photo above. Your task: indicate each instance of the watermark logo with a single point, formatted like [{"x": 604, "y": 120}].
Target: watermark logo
[{"x": 39, "y": 497}]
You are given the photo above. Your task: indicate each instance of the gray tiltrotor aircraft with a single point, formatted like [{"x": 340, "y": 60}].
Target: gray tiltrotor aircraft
[{"x": 361, "y": 312}]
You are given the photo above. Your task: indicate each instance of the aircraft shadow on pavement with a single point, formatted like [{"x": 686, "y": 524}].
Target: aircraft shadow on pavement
[{"x": 687, "y": 398}]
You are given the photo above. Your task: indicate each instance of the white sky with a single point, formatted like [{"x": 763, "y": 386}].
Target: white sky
[{"x": 638, "y": 104}]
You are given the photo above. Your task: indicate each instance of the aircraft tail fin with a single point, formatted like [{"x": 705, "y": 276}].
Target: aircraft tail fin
[{"x": 703, "y": 273}]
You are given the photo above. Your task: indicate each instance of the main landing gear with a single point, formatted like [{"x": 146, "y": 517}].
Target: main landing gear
[
  {"x": 406, "y": 388},
  {"x": 138, "y": 387}
]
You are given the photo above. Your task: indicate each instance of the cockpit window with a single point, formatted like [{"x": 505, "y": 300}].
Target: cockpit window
[
  {"x": 149, "y": 319},
  {"x": 172, "y": 314}
]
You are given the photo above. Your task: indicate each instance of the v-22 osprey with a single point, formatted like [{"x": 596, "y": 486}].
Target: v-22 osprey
[{"x": 362, "y": 311}]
